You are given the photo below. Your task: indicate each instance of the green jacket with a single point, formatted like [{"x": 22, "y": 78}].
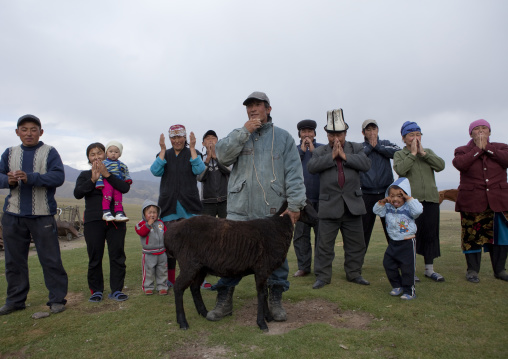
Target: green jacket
[{"x": 420, "y": 172}]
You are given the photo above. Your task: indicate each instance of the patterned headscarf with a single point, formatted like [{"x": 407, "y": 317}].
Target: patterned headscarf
[{"x": 177, "y": 130}]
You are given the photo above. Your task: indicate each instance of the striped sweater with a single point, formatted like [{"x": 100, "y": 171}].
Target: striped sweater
[{"x": 45, "y": 172}]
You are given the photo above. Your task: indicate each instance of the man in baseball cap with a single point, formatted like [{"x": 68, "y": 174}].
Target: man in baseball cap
[
  {"x": 267, "y": 168},
  {"x": 378, "y": 178}
]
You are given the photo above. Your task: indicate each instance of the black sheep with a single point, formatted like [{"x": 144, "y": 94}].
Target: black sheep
[{"x": 207, "y": 245}]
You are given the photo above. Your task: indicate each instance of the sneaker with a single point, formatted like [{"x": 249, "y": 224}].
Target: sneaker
[
  {"x": 120, "y": 217},
  {"x": 407, "y": 296},
  {"x": 396, "y": 292},
  {"x": 163, "y": 292},
  {"x": 417, "y": 279},
  {"x": 436, "y": 277},
  {"x": 108, "y": 217},
  {"x": 148, "y": 292},
  {"x": 57, "y": 308},
  {"x": 206, "y": 285}
]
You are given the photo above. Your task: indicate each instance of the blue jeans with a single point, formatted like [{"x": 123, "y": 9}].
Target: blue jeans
[{"x": 279, "y": 277}]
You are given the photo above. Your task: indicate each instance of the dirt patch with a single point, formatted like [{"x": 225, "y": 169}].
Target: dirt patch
[
  {"x": 198, "y": 350},
  {"x": 305, "y": 312},
  {"x": 298, "y": 314},
  {"x": 64, "y": 245}
]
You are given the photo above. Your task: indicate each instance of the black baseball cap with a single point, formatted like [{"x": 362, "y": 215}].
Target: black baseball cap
[{"x": 210, "y": 133}]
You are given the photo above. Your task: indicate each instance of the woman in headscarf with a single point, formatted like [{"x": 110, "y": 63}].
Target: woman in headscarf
[
  {"x": 178, "y": 168},
  {"x": 483, "y": 200},
  {"x": 418, "y": 165}
]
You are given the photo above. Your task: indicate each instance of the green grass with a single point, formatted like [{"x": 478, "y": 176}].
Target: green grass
[{"x": 454, "y": 319}]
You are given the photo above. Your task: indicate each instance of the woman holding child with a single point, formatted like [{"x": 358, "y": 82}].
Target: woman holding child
[
  {"x": 98, "y": 231},
  {"x": 483, "y": 200}
]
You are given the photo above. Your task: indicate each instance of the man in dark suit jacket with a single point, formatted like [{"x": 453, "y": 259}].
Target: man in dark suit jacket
[{"x": 340, "y": 201}]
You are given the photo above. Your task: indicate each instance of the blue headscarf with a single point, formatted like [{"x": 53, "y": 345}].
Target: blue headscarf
[{"x": 409, "y": 127}]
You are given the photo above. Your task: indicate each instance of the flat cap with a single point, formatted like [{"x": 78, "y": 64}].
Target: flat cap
[{"x": 257, "y": 95}]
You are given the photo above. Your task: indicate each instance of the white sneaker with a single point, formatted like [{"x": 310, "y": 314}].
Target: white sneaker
[
  {"x": 396, "y": 291},
  {"x": 120, "y": 217},
  {"x": 108, "y": 217}
]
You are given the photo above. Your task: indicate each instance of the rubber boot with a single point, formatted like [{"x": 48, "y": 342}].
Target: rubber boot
[
  {"x": 275, "y": 304},
  {"x": 224, "y": 305}
]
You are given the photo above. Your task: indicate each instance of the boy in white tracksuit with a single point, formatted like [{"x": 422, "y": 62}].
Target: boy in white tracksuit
[
  {"x": 400, "y": 210},
  {"x": 155, "y": 264}
]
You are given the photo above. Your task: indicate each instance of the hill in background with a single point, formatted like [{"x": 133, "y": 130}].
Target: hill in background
[{"x": 144, "y": 186}]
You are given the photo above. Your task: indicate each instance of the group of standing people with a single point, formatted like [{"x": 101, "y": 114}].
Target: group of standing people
[
  {"x": 339, "y": 175},
  {"x": 348, "y": 183}
]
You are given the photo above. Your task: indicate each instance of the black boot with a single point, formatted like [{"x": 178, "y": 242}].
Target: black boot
[
  {"x": 224, "y": 305},
  {"x": 275, "y": 304}
]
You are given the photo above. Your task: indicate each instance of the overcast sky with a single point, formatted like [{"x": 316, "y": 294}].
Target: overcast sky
[{"x": 127, "y": 70}]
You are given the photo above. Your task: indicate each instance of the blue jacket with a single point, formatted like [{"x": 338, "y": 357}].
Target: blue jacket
[
  {"x": 380, "y": 175},
  {"x": 311, "y": 180},
  {"x": 400, "y": 222},
  {"x": 262, "y": 178},
  {"x": 44, "y": 171}
]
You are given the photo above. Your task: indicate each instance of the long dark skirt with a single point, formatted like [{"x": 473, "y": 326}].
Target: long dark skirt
[{"x": 427, "y": 233}]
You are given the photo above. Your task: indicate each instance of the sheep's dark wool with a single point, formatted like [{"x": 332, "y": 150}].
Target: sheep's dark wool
[{"x": 207, "y": 245}]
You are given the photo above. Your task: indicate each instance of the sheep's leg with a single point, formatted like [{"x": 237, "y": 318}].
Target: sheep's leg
[
  {"x": 181, "y": 284},
  {"x": 196, "y": 294},
  {"x": 268, "y": 314},
  {"x": 262, "y": 303},
  {"x": 180, "y": 312}
]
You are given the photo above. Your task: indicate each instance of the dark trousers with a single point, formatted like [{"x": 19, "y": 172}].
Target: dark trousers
[
  {"x": 354, "y": 246},
  {"x": 369, "y": 218},
  {"x": 400, "y": 255},
  {"x": 498, "y": 255},
  {"x": 302, "y": 242},
  {"x": 219, "y": 209},
  {"x": 17, "y": 232},
  {"x": 97, "y": 234}
]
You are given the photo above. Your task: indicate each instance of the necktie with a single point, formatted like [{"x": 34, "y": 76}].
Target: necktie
[{"x": 341, "y": 179}]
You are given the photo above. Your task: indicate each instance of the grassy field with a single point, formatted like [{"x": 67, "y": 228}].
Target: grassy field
[{"x": 454, "y": 319}]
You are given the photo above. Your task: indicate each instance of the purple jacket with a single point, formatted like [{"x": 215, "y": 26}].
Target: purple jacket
[{"x": 482, "y": 177}]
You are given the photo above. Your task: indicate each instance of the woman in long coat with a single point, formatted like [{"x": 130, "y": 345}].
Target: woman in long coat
[{"x": 483, "y": 200}]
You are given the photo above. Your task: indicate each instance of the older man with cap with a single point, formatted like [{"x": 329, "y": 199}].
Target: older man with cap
[
  {"x": 31, "y": 171},
  {"x": 301, "y": 238},
  {"x": 267, "y": 172},
  {"x": 377, "y": 179},
  {"x": 340, "y": 201}
]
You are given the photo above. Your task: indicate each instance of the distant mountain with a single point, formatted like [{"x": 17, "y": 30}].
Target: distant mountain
[
  {"x": 144, "y": 186},
  {"x": 144, "y": 175},
  {"x": 71, "y": 174}
]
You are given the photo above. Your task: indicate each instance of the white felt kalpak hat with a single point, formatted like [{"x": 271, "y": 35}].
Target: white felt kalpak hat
[{"x": 335, "y": 121}]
